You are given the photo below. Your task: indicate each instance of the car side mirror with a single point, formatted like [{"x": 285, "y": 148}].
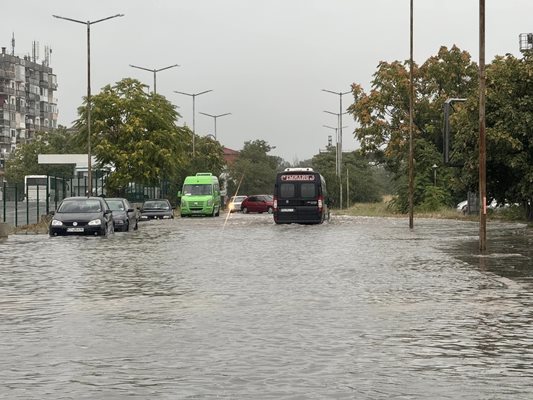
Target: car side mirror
[
  {"x": 108, "y": 212},
  {"x": 52, "y": 213},
  {"x": 130, "y": 210}
]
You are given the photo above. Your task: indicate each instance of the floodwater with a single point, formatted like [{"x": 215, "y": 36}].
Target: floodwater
[{"x": 358, "y": 308}]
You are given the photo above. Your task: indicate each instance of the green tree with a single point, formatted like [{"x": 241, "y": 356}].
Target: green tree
[
  {"x": 509, "y": 133},
  {"x": 209, "y": 157},
  {"x": 358, "y": 176},
  {"x": 383, "y": 114},
  {"x": 24, "y": 160},
  {"x": 135, "y": 134},
  {"x": 254, "y": 172}
]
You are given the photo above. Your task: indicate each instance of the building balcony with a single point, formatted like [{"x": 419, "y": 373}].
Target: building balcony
[
  {"x": 8, "y": 107},
  {"x": 7, "y": 74},
  {"x": 6, "y": 90}
]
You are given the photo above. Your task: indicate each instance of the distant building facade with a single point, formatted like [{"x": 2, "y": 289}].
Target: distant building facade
[
  {"x": 230, "y": 156},
  {"x": 27, "y": 103}
]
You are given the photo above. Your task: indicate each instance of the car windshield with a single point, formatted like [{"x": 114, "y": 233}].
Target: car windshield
[
  {"x": 116, "y": 205},
  {"x": 80, "y": 206},
  {"x": 196, "y": 190},
  {"x": 162, "y": 205}
]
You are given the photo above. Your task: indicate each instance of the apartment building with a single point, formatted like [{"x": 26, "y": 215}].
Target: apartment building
[{"x": 27, "y": 103}]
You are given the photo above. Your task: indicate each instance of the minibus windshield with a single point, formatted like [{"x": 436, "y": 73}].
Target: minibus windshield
[{"x": 197, "y": 190}]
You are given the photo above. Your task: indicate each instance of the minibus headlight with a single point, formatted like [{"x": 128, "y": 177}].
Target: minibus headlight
[{"x": 210, "y": 202}]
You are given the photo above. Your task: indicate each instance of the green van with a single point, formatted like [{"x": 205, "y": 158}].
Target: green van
[{"x": 200, "y": 195}]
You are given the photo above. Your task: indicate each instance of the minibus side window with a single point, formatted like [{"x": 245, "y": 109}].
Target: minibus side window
[
  {"x": 308, "y": 190},
  {"x": 287, "y": 190}
]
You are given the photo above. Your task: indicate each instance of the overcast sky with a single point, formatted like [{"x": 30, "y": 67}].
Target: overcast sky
[{"x": 265, "y": 60}]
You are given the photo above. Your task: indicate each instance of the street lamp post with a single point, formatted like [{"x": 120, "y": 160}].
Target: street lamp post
[
  {"x": 338, "y": 131},
  {"x": 434, "y": 166},
  {"x": 215, "y": 119},
  {"x": 338, "y": 160},
  {"x": 193, "y": 95},
  {"x": 336, "y": 145},
  {"x": 340, "y": 114},
  {"x": 88, "y": 24},
  {"x": 155, "y": 71}
]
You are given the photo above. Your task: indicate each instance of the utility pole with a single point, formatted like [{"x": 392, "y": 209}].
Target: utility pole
[
  {"x": 411, "y": 112},
  {"x": 482, "y": 139},
  {"x": 154, "y": 72}
]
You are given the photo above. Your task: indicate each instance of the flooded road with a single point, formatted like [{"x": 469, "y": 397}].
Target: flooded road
[{"x": 358, "y": 308}]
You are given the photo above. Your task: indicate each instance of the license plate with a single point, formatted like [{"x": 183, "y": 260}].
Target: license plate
[
  {"x": 286, "y": 209},
  {"x": 74, "y": 229}
]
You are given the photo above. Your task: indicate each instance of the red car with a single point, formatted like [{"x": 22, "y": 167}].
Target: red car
[{"x": 259, "y": 203}]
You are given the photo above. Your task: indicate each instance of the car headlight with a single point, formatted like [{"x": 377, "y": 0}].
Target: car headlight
[
  {"x": 210, "y": 202},
  {"x": 95, "y": 222},
  {"x": 55, "y": 222}
]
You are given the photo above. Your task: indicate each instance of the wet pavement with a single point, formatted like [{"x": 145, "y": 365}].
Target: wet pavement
[{"x": 196, "y": 308}]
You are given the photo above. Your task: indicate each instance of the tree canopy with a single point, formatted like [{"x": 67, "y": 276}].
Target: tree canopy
[
  {"x": 384, "y": 126},
  {"x": 134, "y": 133},
  {"x": 254, "y": 171}
]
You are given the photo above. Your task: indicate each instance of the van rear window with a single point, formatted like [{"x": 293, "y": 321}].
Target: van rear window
[
  {"x": 308, "y": 190},
  {"x": 287, "y": 190}
]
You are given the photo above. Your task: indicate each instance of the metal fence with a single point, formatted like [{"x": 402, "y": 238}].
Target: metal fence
[{"x": 26, "y": 203}]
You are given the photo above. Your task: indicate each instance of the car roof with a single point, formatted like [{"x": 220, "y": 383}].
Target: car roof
[
  {"x": 157, "y": 200},
  {"x": 84, "y": 198}
]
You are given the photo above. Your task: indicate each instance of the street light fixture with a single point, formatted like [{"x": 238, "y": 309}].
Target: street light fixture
[
  {"x": 434, "y": 166},
  {"x": 154, "y": 71},
  {"x": 88, "y": 24},
  {"x": 193, "y": 95},
  {"x": 215, "y": 119}
]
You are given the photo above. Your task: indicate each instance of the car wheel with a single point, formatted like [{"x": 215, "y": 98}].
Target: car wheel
[
  {"x": 270, "y": 210},
  {"x": 245, "y": 210}
]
